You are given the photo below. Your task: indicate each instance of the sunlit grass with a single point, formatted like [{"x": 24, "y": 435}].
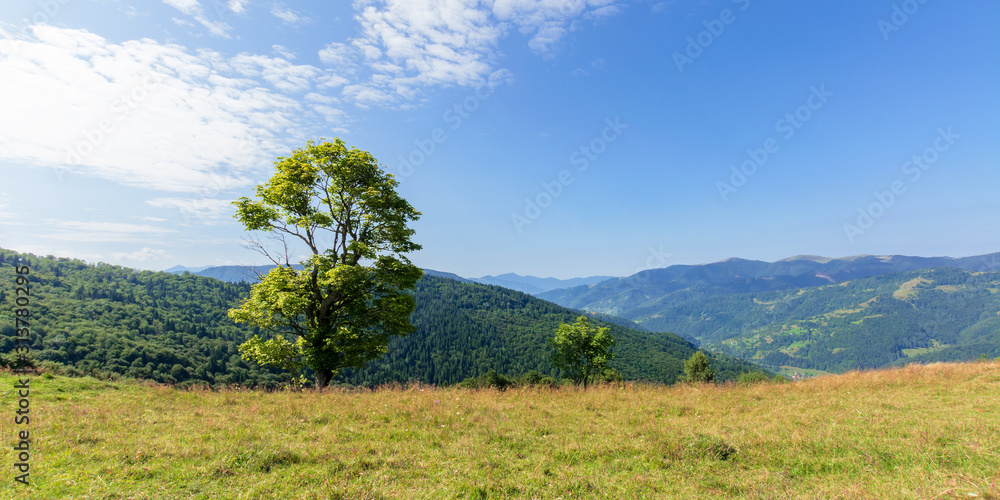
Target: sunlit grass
[{"x": 913, "y": 432}]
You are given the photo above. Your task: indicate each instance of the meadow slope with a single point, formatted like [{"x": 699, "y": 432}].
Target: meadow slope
[{"x": 913, "y": 432}]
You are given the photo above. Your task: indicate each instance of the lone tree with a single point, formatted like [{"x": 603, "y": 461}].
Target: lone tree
[
  {"x": 348, "y": 296},
  {"x": 696, "y": 369},
  {"x": 582, "y": 350}
]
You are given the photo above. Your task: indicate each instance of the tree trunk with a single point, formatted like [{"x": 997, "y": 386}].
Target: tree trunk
[{"x": 323, "y": 378}]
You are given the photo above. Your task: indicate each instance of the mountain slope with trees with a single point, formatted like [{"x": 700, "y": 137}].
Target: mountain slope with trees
[
  {"x": 653, "y": 291},
  {"x": 99, "y": 318},
  {"x": 941, "y": 314}
]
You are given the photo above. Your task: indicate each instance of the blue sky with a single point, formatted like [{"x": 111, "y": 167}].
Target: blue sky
[{"x": 558, "y": 138}]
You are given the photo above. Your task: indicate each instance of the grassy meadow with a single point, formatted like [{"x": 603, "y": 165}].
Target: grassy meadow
[{"x": 914, "y": 432}]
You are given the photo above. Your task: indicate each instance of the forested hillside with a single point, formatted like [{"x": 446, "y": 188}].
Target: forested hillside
[
  {"x": 174, "y": 328},
  {"x": 942, "y": 314},
  {"x": 468, "y": 329},
  {"x": 651, "y": 292},
  {"x": 154, "y": 325}
]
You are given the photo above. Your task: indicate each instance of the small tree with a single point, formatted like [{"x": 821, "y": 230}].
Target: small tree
[
  {"x": 697, "y": 369},
  {"x": 582, "y": 350}
]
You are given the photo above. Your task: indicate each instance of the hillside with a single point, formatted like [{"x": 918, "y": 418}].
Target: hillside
[
  {"x": 466, "y": 329},
  {"x": 915, "y": 432},
  {"x": 174, "y": 328},
  {"x": 942, "y": 314},
  {"x": 651, "y": 291}
]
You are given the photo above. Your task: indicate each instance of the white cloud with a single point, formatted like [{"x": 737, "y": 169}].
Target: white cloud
[
  {"x": 142, "y": 255},
  {"x": 288, "y": 16},
  {"x": 108, "y": 227},
  {"x": 132, "y": 13},
  {"x": 283, "y": 52},
  {"x": 104, "y": 232},
  {"x": 407, "y": 45},
  {"x": 150, "y": 115},
  {"x": 188, "y": 7},
  {"x": 194, "y": 9},
  {"x": 548, "y": 21},
  {"x": 198, "y": 208},
  {"x": 339, "y": 54},
  {"x": 238, "y": 6}
]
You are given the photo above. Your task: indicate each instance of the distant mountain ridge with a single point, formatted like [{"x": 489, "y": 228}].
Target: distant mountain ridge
[
  {"x": 181, "y": 269},
  {"x": 526, "y": 284},
  {"x": 935, "y": 314},
  {"x": 648, "y": 292},
  {"x": 535, "y": 285}
]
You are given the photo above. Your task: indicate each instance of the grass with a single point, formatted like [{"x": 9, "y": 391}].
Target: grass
[
  {"x": 909, "y": 289},
  {"x": 794, "y": 371},
  {"x": 913, "y": 432},
  {"x": 935, "y": 346}
]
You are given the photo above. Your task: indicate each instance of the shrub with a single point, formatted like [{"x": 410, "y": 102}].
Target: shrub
[
  {"x": 754, "y": 377},
  {"x": 611, "y": 375},
  {"x": 697, "y": 369},
  {"x": 490, "y": 379},
  {"x": 548, "y": 382},
  {"x": 533, "y": 377}
]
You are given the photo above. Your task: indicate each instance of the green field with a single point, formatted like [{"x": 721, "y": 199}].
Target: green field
[
  {"x": 914, "y": 432},
  {"x": 796, "y": 372}
]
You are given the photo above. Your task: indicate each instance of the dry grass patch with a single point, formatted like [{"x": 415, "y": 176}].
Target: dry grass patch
[{"x": 912, "y": 432}]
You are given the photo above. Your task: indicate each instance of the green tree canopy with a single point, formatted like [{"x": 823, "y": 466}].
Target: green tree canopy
[
  {"x": 351, "y": 295},
  {"x": 697, "y": 369},
  {"x": 582, "y": 350}
]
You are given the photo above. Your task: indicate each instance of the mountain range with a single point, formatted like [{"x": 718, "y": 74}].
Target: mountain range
[
  {"x": 526, "y": 284},
  {"x": 815, "y": 312},
  {"x": 800, "y": 313},
  {"x": 643, "y": 295},
  {"x": 106, "y": 320},
  {"x": 534, "y": 285}
]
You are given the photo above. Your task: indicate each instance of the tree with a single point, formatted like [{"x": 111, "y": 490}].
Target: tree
[
  {"x": 582, "y": 350},
  {"x": 349, "y": 295},
  {"x": 697, "y": 369}
]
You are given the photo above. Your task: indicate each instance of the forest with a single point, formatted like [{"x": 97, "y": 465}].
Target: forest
[
  {"x": 112, "y": 321},
  {"x": 939, "y": 314}
]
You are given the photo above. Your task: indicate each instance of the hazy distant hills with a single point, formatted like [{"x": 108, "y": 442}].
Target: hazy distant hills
[
  {"x": 815, "y": 312},
  {"x": 526, "y": 284},
  {"x": 249, "y": 274},
  {"x": 181, "y": 269},
  {"x": 646, "y": 293},
  {"x": 937, "y": 314},
  {"x": 232, "y": 274},
  {"x": 535, "y": 286}
]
